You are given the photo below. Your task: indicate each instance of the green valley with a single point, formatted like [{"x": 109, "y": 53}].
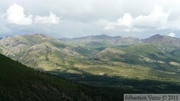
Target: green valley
[
  {"x": 21, "y": 83},
  {"x": 102, "y": 60}
]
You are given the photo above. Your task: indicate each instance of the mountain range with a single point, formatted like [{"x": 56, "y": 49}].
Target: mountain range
[
  {"x": 100, "y": 60},
  {"x": 117, "y": 40}
]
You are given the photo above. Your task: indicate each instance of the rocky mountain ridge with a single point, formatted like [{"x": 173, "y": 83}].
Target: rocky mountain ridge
[{"x": 101, "y": 55}]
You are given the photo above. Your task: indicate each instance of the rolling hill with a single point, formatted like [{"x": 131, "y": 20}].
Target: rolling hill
[{"x": 100, "y": 60}]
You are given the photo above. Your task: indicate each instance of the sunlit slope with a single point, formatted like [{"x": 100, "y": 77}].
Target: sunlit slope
[
  {"x": 38, "y": 51},
  {"x": 155, "y": 58}
]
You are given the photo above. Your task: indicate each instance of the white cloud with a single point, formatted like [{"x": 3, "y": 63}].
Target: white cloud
[
  {"x": 174, "y": 24},
  {"x": 126, "y": 20},
  {"x": 128, "y": 17},
  {"x": 172, "y": 34},
  {"x": 15, "y": 14},
  {"x": 157, "y": 19},
  {"x": 124, "y": 24},
  {"x": 51, "y": 19}
]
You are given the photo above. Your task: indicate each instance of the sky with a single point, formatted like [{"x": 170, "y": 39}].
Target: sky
[{"x": 78, "y": 18}]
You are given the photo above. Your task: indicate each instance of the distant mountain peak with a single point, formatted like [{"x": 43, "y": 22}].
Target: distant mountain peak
[
  {"x": 35, "y": 35},
  {"x": 153, "y": 38},
  {"x": 102, "y": 36},
  {"x": 161, "y": 36},
  {"x": 157, "y": 35},
  {"x": 162, "y": 39}
]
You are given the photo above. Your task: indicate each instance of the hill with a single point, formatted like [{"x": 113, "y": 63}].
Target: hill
[
  {"x": 21, "y": 83},
  {"x": 94, "y": 60},
  {"x": 37, "y": 51},
  {"x": 104, "y": 39},
  {"x": 166, "y": 42}
]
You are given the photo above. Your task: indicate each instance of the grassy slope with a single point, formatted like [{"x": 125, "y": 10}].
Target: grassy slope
[
  {"x": 138, "y": 62},
  {"x": 20, "y": 83},
  {"x": 141, "y": 68},
  {"x": 146, "y": 61}
]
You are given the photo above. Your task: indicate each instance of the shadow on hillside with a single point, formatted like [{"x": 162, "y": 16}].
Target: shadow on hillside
[{"x": 123, "y": 85}]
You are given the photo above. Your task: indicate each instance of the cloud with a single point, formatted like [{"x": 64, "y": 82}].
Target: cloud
[
  {"x": 80, "y": 18},
  {"x": 15, "y": 14},
  {"x": 172, "y": 34},
  {"x": 157, "y": 19},
  {"x": 126, "y": 20},
  {"x": 51, "y": 19},
  {"x": 124, "y": 24}
]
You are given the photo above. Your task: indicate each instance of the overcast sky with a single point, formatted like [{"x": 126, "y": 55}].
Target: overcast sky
[{"x": 76, "y": 18}]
